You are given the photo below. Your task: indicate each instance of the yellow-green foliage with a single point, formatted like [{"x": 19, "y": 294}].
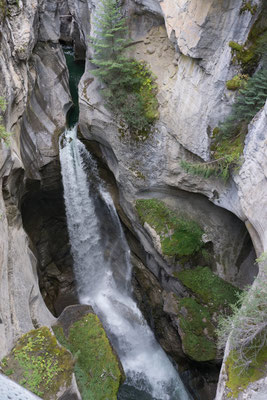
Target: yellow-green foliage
[
  {"x": 3, "y": 9},
  {"x": 147, "y": 91},
  {"x": 239, "y": 378},
  {"x": 237, "y": 82},
  {"x": 209, "y": 288},
  {"x": 229, "y": 150},
  {"x": 3, "y": 133},
  {"x": 248, "y": 6},
  {"x": 247, "y": 55},
  {"x": 197, "y": 331},
  {"x": 97, "y": 369},
  {"x": 242, "y": 54},
  {"x": 39, "y": 364},
  {"x": 179, "y": 236}
]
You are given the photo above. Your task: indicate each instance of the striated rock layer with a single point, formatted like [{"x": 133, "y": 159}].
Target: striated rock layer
[{"x": 186, "y": 45}]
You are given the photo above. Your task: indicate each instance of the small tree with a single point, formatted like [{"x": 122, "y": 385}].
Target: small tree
[
  {"x": 110, "y": 42},
  {"x": 130, "y": 89}
]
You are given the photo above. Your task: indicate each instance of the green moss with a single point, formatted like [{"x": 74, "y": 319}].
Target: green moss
[
  {"x": 39, "y": 364},
  {"x": 235, "y": 46},
  {"x": 197, "y": 331},
  {"x": 3, "y": 9},
  {"x": 208, "y": 287},
  {"x": 237, "y": 82},
  {"x": 238, "y": 377},
  {"x": 242, "y": 54},
  {"x": 248, "y": 6},
  {"x": 248, "y": 55},
  {"x": 199, "y": 348},
  {"x": 97, "y": 369},
  {"x": 179, "y": 236}
]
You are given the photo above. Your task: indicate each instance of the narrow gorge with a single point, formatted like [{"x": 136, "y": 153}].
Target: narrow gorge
[{"x": 133, "y": 221}]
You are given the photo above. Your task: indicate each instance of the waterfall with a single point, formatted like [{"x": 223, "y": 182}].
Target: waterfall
[{"x": 103, "y": 274}]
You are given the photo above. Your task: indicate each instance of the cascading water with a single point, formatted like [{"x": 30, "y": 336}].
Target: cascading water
[{"x": 103, "y": 273}]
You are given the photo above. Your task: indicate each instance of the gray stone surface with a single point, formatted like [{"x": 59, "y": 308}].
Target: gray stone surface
[
  {"x": 45, "y": 114},
  {"x": 21, "y": 305},
  {"x": 10, "y": 390}
]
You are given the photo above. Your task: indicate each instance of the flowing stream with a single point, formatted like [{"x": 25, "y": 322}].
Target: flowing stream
[{"x": 103, "y": 274}]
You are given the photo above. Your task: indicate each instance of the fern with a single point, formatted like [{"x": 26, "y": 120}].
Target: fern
[{"x": 217, "y": 168}]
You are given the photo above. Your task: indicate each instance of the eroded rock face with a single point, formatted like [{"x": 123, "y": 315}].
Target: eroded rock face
[
  {"x": 22, "y": 306},
  {"x": 45, "y": 114},
  {"x": 253, "y": 174},
  {"x": 26, "y": 82},
  {"x": 192, "y": 69},
  {"x": 43, "y": 214}
]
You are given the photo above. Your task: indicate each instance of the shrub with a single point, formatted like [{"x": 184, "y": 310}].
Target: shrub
[{"x": 246, "y": 328}]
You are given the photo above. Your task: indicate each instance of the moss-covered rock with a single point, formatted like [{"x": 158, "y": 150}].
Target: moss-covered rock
[
  {"x": 97, "y": 369},
  {"x": 196, "y": 330},
  {"x": 179, "y": 236},
  {"x": 39, "y": 364},
  {"x": 239, "y": 378},
  {"x": 198, "y": 315},
  {"x": 209, "y": 288},
  {"x": 247, "y": 55}
]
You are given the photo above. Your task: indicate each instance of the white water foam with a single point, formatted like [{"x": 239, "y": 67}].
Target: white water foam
[{"x": 103, "y": 277}]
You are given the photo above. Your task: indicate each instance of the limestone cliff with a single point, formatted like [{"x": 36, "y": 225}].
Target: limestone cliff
[
  {"x": 186, "y": 45},
  {"x": 192, "y": 59}
]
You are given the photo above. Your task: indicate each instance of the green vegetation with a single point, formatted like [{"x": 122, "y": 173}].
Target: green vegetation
[
  {"x": 97, "y": 368},
  {"x": 39, "y": 364},
  {"x": 3, "y": 133},
  {"x": 238, "y": 378},
  {"x": 179, "y": 236},
  {"x": 248, "y": 6},
  {"x": 242, "y": 55},
  {"x": 211, "y": 297},
  {"x": 3, "y": 9},
  {"x": 248, "y": 322},
  {"x": 237, "y": 82},
  {"x": 228, "y": 138},
  {"x": 130, "y": 87},
  {"x": 209, "y": 288},
  {"x": 198, "y": 335},
  {"x": 246, "y": 330}
]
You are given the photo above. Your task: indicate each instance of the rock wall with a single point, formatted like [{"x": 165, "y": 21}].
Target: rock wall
[
  {"x": 21, "y": 305},
  {"x": 191, "y": 57},
  {"x": 34, "y": 83},
  {"x": 185, "y": 44}
]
